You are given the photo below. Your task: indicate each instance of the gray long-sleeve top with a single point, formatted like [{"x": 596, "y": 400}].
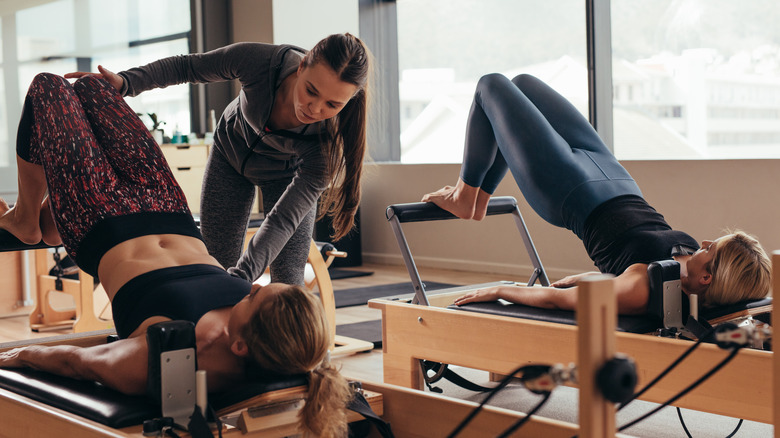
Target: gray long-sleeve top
[{"x": 259, "y": 68}]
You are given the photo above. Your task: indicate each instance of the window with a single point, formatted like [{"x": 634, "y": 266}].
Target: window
[
  {"x": 61, "y": 36},
  {"x": 696, "y": 79},
  {"x": 445, "y": 46}
]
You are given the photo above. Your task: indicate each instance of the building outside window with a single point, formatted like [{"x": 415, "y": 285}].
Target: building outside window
[
  {"x": 692, "y": 79},
  {"x": 696, "y": 79},
  {"x": 445, "y": 46},
  {"x": 61, "y": 36}
]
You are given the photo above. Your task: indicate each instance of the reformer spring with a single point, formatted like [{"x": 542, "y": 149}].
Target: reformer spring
[{"x": 726, "y": 336}]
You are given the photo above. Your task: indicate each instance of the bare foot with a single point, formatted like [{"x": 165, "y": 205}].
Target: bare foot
[
  {"x": 23, "y": 228},
  {"x": 48, "y": 229},
  {"x": 458, "y": 200},
  {"x": 480, "y": 209}
]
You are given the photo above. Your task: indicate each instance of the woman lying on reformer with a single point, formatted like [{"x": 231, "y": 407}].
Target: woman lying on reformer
[
  {"x": 121, "y": 215},
  {"x": 572, "y": 180}
]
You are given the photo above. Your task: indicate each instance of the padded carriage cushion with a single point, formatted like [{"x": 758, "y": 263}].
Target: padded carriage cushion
[
  {"x": 111, "y": 408},
  {"x": 86, "y": 399},
  {"x": 625, "y": 323}
]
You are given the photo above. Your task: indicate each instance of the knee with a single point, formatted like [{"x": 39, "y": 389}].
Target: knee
[
  {"x": 49, "y": 81},
  {"x": 491, "y": 81},
  {"x": 523, "y": 81},
  {"x": 490, "y": 84}
]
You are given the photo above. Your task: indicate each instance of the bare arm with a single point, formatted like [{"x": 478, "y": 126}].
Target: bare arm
[
  {"x": 121, "y": 365},
  {"x": 571, "y": 280},
  {"x": 631, "y": 289}
]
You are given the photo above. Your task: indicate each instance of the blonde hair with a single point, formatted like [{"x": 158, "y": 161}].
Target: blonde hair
[
  {"x": 289, "y": 335},
  {"x": 741, "y": 270},
  {"x": 345, "y": 139}
]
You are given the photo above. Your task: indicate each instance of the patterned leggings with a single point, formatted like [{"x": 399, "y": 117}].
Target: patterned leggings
[{"x": 100, "y": 160}]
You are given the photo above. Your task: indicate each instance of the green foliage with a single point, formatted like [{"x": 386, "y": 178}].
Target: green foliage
[{"x": 155, "y": 122}]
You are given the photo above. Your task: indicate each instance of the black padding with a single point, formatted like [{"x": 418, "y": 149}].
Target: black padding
[
  {"x": 428, "y": 211},
  {"x": 86, "y": 399},
  {"x": 103, "y": 405},
  {"x": 658, "y": 273},
  {"x": 161, "y": 337},
  {"x": 9, "y": 242},
  {"x": 717, "y": 312},
  {"x": 625, "y": 323}
]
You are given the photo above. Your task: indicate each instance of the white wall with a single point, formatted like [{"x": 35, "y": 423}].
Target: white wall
[{"x": 304, "y": 22}]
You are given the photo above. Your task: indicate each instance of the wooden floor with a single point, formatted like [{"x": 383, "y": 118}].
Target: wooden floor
[
  {"x": 362, "y": 366},
  {"x": 368, "y": 366}
]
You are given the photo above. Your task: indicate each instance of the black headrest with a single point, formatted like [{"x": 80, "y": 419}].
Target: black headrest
[{"x": 657, "y": 274}]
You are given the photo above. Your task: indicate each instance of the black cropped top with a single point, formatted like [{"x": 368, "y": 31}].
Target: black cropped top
[
  {"x": 181, "y": 293},
  {"x": 627, "y": 230}
]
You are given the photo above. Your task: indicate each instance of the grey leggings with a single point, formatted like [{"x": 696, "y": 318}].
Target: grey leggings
[
  {"x": 226, "y": 202},
  {"x": 556, "y": 157}
]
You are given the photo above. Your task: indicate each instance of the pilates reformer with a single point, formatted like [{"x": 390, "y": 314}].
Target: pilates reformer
[
  {"x": 496, "y": 336},
  {"x": 44, "y": 315},
  {"x": 83, "y": 318},
  {"x": 36, "y": 404}
]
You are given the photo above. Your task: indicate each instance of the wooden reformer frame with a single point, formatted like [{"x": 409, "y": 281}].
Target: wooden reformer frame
[
  {"x": 411, "y": 413},
  {"x": 498, "y": 344}
]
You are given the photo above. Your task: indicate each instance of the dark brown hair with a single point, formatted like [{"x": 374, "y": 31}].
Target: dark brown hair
[{"x": 344, "y": 139}]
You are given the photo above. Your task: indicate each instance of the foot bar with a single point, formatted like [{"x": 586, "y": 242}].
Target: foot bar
[{"x": 428, "y": 211}]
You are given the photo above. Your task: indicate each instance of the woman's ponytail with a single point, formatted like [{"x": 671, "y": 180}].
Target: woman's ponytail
[{"x": 324, "y": 413}]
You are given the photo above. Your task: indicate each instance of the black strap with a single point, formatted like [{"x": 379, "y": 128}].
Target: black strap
[
  {"x": 57, "y": 270},
  {"x": 198, "y": 426},
  {"x": 443, "y": 371},
  {"x": 700, "y": 329},
  {"x": 360, "y": 405}
]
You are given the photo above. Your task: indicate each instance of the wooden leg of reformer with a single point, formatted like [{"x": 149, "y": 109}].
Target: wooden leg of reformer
[
  {"x": 325, "y": 287},
  {"x": 341, "y": 344},
  {"x": 596, "y": 321},
  {"x": 44, "y": 316}
]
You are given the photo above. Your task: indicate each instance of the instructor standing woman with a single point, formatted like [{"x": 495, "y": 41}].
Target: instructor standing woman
[{"x": 297, "y": 130}]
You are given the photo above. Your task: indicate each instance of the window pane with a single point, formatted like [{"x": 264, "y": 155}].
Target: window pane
[
  {"x": 445, "y": 46},
  {"x": 46, "y": 30},
  {"x": 61, "y": 36},
  {"x": 696, "y": 79},
  {"x": 170, "y": 104}
]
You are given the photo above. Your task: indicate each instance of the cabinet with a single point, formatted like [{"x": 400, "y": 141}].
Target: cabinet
[{"x": 188, "y": 163}]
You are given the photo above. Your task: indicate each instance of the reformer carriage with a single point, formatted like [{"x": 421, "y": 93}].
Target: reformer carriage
[{"x": 495, "y": 337}]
